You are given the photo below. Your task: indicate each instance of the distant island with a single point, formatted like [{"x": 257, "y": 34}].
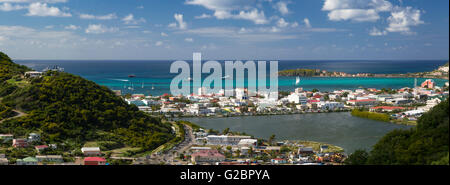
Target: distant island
[{"x": 441, "y": 72}]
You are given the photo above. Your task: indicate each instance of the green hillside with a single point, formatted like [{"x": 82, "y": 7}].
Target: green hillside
[
  {"x": 65, "y": 107},
  {"x": 426, "y": 144}
]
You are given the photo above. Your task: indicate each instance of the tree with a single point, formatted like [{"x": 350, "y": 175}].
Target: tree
[
  {"x": 359, "y": 157},
  {"x": 226, "y": 131},
  {"x": 271, "y": 139}
]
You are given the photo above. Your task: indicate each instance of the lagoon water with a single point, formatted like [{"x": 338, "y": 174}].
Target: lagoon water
[{"x": 340, "y": 129}]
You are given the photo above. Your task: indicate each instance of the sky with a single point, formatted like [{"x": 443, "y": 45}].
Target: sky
[{"x": 225, "y": 29}]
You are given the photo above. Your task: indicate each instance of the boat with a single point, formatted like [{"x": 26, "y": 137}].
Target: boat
[
  {"x": 189, "y": 79},
  {"x": 297, "y": 81},
  {"x": 131, "y": 76},
  {"x": 226, "y": 77},
  {"x": 153, "y": 87}
]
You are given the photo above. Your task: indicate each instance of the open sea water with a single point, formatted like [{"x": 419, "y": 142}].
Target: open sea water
[{"x": 153, "y": 77}]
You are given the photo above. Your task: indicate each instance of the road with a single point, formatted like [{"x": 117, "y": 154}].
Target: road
[
  {"x": 19, "y": 114},
  {"x": 169, "y": 156}
]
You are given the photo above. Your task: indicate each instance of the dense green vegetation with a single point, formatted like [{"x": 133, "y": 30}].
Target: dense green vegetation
[
  {"x": 300, "y": 72},
  {"x": 371, "y": 115},
  {"x": 64, "y": 107},
  {"x": 426, "y": 144},
  {"x": 5, "y": 112}
]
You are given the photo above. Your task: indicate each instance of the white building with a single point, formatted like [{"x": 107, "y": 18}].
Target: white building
[
  {"x": 34, "y": 137},
  {"x": 91, "y": 151},
  {"x": 33, "y": 74},
  {"x": 248, "y": 142},
  {"x": 330, "y": 105},
  {"x": 297, "y": 98},
  {"x": 225, "y": 140}
]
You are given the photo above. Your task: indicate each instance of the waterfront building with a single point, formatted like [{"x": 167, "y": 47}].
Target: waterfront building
[
  {"x": 225, "y": 140},
  {"x": 330, "y": 105},
  {"x": 248, "y": 142},
  {"x": 297, "y": 98},
  {"x": 364, "y": 102}
]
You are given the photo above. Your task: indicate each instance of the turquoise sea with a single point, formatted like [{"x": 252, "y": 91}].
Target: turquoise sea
[{"x": 114, "y": 74}]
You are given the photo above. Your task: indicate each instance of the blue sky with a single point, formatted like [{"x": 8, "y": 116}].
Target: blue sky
[{"x": 231, "y": 29}]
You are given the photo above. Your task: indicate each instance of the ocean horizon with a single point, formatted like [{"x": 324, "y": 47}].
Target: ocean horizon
[{"x": 153, "y": 76}]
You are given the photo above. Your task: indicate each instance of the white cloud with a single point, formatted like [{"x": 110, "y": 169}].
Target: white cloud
[
  {"x": 355, "y": 10},
  {"x": 189, "y": 39},
  {"x": 375, "y": 32},
  {"x": 99, "y": 17},
  {"x": 33, "y": 1},
  {"x": 164, "y": 34},
  {"x": 180, "y": 22},
  {"x": 8, "y": 7},
  {"x": 129, "y": 19},
  {"x": 282, "y": 7},
  {"x": 71, "y": 27},
  {"x": 402, "y": 19},
  {"x": 242, "y": 34},
  {"x": 159, "y": 43},
  {"x": 358, "y": 15},
  {"x": 203, "y": 16},
  {"x": 98, "y": 29},
  {"x": 282, "y": 23},
  {"x": 233, "y": 9},
  {"x": 42, "y": 9},
  {"x": 307, "y": 23}
]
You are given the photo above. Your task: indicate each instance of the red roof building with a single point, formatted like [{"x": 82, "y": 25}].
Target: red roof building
[
  {"x": 94, "y": 161},
  {"x": 40, "y": 148}
]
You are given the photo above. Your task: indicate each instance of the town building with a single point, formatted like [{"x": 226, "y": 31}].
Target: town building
[
  {"x": 207, "y": 156},
  {"x": 27, "y": 161},
  {"x": 94, "y": 161},
  {"x": 430, "y": 84},
  {"x": 34, "y": 137},
  {"x": 33, "y": 74},
  {"x": 225, "y": 140},
  {"x": 363, "y": 102},
  {"x": 50, "y": 158},
  {"x": 6, "y": 137},
  {"x": 91, "y": 151},
  {"x": 20, "y": 143},
  {"x": 41, "y": 148}
]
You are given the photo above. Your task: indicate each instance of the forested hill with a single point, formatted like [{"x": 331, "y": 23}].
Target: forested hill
[
  {"x": 426, "y": 144},
  {"x": 63, "y": 107},
  {"x": 8, "y": 69}
]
